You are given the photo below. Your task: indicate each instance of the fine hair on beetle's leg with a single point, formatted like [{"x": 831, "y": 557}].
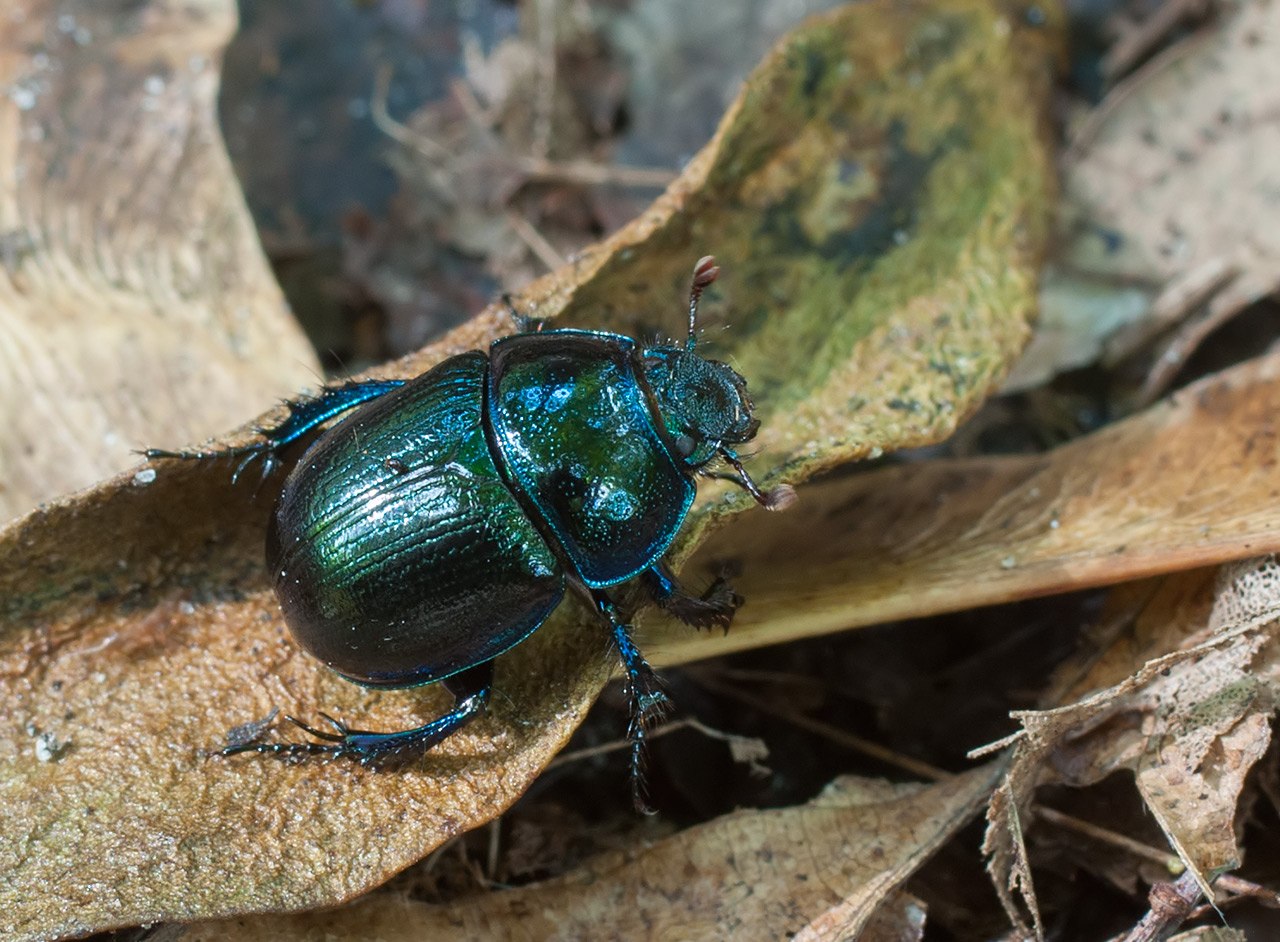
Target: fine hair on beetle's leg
[
  {"x": 714, "y": 608},
  {"x": 471, "y": 690},
  {"x": 306, "y": 415},
  {"x": 645, "y": 696}
]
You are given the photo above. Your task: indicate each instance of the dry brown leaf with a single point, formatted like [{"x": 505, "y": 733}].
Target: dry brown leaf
[
  {"x": 815, "y": 872},
  {"x": 135, "y": 303},
  {"x": 1172, "y": 168},
  {"x": 137, "y": 623},
  {"x": 1190, "y": 722},
  {"x": 1006, "y": 852},
  {"x": 1190, "y": 482},
  {"x": 1169, "y": 188}
]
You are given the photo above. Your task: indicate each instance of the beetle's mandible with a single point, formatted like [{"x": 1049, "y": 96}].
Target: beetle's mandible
[{"x": 439, "y": 523}]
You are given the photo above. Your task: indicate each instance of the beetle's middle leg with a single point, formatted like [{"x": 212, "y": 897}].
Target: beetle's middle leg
[
  {"x": 471, "y": 689},
  {"x": 648, "y": 702},
  {"x": 713, "y": 609},
  {"x": 305, "y": 416}
]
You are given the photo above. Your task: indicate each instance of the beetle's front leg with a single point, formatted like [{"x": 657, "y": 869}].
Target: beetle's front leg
[
  {"x": 305, "y": 415},
  {"x": 713, "y": 609},
  {"x": 471, "y": 689},
  {"x": 644, "y": 693}
]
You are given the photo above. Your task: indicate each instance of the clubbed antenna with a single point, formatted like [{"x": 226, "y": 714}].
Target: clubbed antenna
[
  {"x": 704, "y": 272},
  {"x": 778, "y": 498}
]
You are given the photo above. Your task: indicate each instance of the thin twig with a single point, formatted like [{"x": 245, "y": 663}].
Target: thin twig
[
  {"x": 494, "y": 850},
  {"x": 588, "y": 173},
  {"x": 617, "y": 745},
  {"x": 833, "y": 733},
  {"x": 400, "y": 133},
  {"x": 480, "y": 117},
  {"x": 434, "y": 857},
  {"x": 1185, "y": 341},
  {"x": 1161, "y": 893},
  {"x": 1171, "y": 862},
  {"x": 535, "y": 240},
  {"x": 544, "y": 103},
  {"x": 538, "y": 169},
  {"x": 1228, "y": 883},
  {"x": 1242, "y": 887},
  {"x": 1171, "y": 904},
  {"x": 1140, "y": 39},
  {"x": 754, "y": 675}
]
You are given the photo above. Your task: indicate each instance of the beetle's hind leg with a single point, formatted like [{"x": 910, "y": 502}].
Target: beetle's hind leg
[
  {"x": 305, "y": 415},
  {"x": 715, "y": 608},
  {"x": 471, "y": 689},
  {"x": 647, "y": 700}
]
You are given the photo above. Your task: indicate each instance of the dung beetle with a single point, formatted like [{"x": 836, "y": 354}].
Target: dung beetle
[{"x": 437, "y": 525}]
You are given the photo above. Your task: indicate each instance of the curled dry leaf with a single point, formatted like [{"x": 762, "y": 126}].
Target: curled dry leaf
[
  {"x": 871, "y": 307},
  {"x": 815, "y": 872},
  {"x": 1190, "y": 720},
  {"x": 135, "y": 303},
  {"x": 1189, "y": 482},
  {"x": 1169, "y": 196}
]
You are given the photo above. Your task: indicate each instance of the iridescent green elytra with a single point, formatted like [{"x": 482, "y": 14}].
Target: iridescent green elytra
[{"x": 439, "y": 523}]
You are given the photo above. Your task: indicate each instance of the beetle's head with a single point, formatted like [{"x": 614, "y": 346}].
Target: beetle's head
[{"x": 704, "y": 404}]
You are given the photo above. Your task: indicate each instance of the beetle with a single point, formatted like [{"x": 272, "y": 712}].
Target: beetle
[{"x": 439, "y": 522}]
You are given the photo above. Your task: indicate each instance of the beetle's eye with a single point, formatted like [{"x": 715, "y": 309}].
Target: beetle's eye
[{"x": 685, "y": 445}]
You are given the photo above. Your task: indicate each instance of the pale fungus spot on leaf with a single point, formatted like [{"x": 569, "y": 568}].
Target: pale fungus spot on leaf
[{"x": 878, "y": 279}]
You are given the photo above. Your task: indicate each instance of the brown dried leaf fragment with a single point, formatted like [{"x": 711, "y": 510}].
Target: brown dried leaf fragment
[
  {"x": 1190, "y": 722},
  {"x": 1189, "y": 482},
  {"x": 814, "y": 872},
  {"x": 135, "y": 304},
  {"x": 1173, "y": 206}
]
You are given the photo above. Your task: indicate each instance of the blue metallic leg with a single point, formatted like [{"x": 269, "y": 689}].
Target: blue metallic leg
[
  {"x": 713, "y": 609},
  {"x": 471, "y": 689},
  {"x": 305, "y": 415},
  {"x": 644, "y": 692}
]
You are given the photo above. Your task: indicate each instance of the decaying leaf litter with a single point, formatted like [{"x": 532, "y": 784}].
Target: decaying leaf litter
[
  {"x": 837, "y": 857},
  {"x": 1207, "y": 721}
]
